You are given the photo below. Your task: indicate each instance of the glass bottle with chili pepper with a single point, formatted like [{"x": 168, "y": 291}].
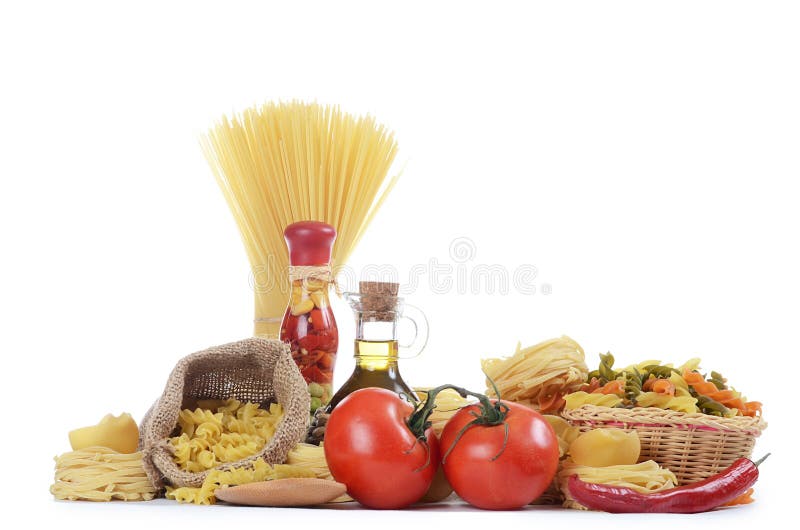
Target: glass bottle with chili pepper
[{"x": 308, "y": 325}]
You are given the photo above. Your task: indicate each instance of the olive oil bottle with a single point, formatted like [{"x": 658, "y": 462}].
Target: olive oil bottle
[{"x": 378, "y": 310}]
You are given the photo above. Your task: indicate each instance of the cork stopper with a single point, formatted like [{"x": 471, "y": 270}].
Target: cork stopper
[{"x": 379, "y": 300}]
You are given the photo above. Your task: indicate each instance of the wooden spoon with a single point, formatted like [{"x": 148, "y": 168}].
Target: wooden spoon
[{"x": 283, "y": 492}]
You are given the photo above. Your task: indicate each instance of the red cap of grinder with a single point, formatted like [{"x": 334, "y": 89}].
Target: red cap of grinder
[{"x": 310, "y": 242}]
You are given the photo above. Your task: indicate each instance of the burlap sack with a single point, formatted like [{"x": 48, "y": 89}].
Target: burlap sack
[{"x": 257, "y": 370}]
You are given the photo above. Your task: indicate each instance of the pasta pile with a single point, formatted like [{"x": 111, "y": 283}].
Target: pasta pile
[
  {"x": 644, "y": 477},
  {"x": 218, "y": 432},
  {"x": 652, "y": 384},
  {"x": 101, "y": 474},
  {"x": 260, "y": 471},
  {"x": 447, "y": 402},
  {"x": 538, "y": 376}
]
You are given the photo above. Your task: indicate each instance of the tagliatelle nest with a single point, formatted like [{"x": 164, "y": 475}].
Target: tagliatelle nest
[{"x": 538, "y": 376}]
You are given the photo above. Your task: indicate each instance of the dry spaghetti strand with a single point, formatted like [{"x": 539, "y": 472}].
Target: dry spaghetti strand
[{"x": 280, "y": 163}]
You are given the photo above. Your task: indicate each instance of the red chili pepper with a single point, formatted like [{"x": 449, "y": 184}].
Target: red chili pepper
[
  {"x": 692, "y": 498},
  {"x": 328, "y": 340},
  {"x": 319, "y": 320},
  {"x": 314, "y": 374},
  {"x": 327, "y": 361},
  {"x": 309, "y": 342}
]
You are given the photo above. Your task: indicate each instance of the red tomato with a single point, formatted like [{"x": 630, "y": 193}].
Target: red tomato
[
  {"x": 371, "y": 450},
  {"x": 518, "y": 476}
]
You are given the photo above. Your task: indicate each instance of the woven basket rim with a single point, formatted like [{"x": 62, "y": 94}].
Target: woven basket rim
[{"x": 656, "y": 417}]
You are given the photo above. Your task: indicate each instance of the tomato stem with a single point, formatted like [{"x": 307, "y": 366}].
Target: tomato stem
[
  {"x": 489, "y": 414},
  {"x": 423, "y": 443},
  {"x": 458, "y": 437},
  {"x": 505, "y": 442}
]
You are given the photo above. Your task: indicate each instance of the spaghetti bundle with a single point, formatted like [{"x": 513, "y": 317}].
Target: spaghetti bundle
[
  {"x": 280, "y": 163},
  {"x": 538, "y": 376}
]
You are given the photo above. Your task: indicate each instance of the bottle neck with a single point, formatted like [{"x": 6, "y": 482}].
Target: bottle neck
[{"x": 372, "y": 331}]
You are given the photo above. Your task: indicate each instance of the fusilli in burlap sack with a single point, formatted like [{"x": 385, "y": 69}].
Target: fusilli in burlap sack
[{"x": 257, "y": 370}]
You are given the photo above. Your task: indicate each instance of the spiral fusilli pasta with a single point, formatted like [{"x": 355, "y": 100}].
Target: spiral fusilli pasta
[
  {"x": 580, "y": 398},
  {"x": 225, "y": 431},
  {"x": 677, "y": 403},
  {"x": 652, "y": 384},
  {"x": 259, "y": 471}
]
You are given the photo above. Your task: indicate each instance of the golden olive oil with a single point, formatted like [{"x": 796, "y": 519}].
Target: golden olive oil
[{"x": 376, "y": 366}]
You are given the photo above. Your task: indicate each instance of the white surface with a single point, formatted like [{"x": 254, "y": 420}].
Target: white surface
[
  {"x": 450, "y": 514},
  {"x": 642, "y": 156}
]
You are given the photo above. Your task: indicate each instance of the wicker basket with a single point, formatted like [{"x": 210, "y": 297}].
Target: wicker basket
[{"x": 693, "y": 446}]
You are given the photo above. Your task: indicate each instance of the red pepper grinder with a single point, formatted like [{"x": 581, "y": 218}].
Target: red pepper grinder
[{"x": 308, "y": 325}]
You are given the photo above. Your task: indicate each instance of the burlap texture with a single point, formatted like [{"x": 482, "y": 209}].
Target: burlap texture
[{"x": 257, "y": 370}]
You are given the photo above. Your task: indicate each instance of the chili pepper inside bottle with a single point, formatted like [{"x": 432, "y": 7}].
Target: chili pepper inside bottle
[{"x": 308, "y": 325}]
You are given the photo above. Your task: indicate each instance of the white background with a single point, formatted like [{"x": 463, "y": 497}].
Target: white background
[{"x": 642, "y": 156}]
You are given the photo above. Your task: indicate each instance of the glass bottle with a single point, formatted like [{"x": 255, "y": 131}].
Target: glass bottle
[
  {"x": 378, "y": 310},
  {"x": 308, "y": 325}
]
